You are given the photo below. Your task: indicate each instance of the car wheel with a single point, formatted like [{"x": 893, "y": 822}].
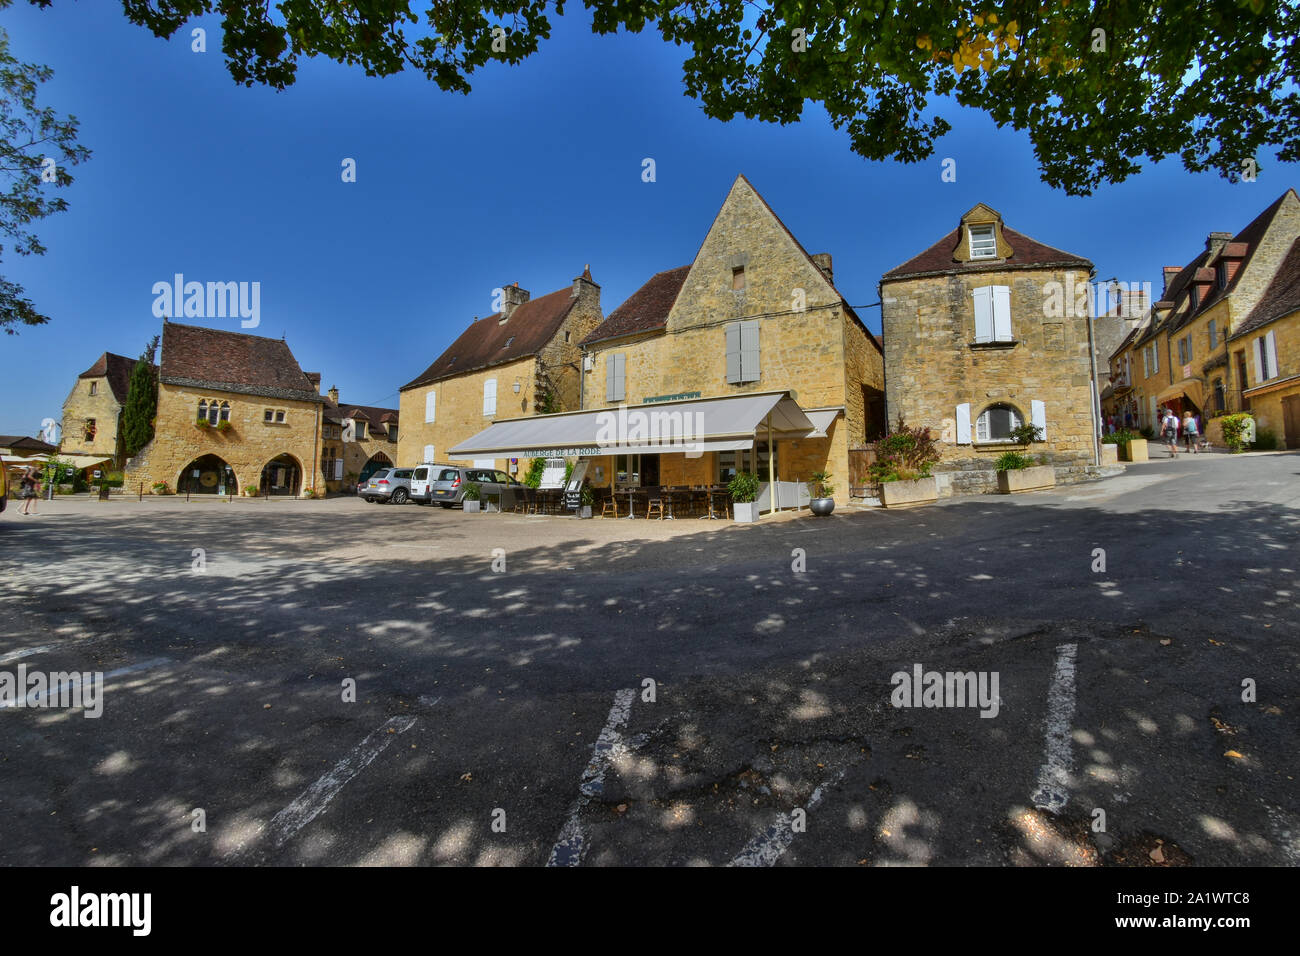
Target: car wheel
[{"x": 398, "y": 497}]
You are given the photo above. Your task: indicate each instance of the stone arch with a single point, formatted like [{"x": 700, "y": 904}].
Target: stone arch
[
  {"x": 373, "y": 464},
  {"x": 215, "y": 476},
  {"x": 281, "y": 476}
]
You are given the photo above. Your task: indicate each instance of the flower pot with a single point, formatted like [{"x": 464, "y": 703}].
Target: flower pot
[
  {"x": 1109, "y": 453},
  {"x": 907, "y": 494},
  {"x": 472, "y": 507},
  {"x": 746, "y": 511},
  {"x": 822, "y": 506},
  {"x": 1135, "y": 450},
  {"x": 1015, "y": 480},
  {"x": 584, "y": 511}
]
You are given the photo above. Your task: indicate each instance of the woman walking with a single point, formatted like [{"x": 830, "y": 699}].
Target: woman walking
[
  {"x": 29, "y": 487},
  {"x": 1191, "y": 434}
]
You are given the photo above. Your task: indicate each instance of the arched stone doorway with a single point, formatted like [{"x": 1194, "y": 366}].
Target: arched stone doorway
[
  {"x": 377, "y": 461},
  {"x": 281, "y": 476},
  {"x": 207, "y": 475}
]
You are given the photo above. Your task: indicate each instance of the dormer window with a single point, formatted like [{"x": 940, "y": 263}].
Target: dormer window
[
  {"x": 1195, "y": 297},
  {"x": 983, "y": 243},
  {"x": 508, "y": 341},
  {"x": 1223, "y": 275}
]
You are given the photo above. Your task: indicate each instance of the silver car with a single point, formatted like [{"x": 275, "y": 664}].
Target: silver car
[
  {"x": 392, "y": 485},
  {"x": 449, "y": 481}
]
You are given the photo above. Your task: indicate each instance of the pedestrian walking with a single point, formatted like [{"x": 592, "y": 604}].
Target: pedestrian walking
[
  {"x": 29, "y": 487},
  {"x": 1169, "y": 432},
  {"x": 1191, "y": 433},
  {"x": 1128, "y": 419}
]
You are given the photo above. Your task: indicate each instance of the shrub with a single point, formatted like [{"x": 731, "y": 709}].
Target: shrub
[
  {"x": 473, "y": 490},
  {"x": 904, "y": 454},
  {"x": 114, "y": 479},
  {"x": 251, "y": 490},
  {"x": 1121, "y": 436},
  {"x": 223, "y": 426},
  {"x": 823, "y": 481},
  {"x": 588, "y": 495},
  {"x": 160, "y": 488},
  {"x": 743, "y": 487},
  {"x": 1147, "y": 432},
  {"x": 1026, "y": 434},
  {"x": 1234, "y": 431},
  {"x": 1014, "y": 461},
  {"x": 533, "y": 479},
  {"x": 1265, "y": 439},
  {"x": 200, "y": 423}
]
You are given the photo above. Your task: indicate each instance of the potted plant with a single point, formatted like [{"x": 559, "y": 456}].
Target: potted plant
[
  {"x": 160, "y": 488},
  {"x": 1132, "y": 446},
  {"x": 904, "y": 459},
  {"x": 823, "y": 504},
  {"x": 744, "y": 493},
  {"x": 223, "y": 426},
  {"x": 200, "y": 423},
  {"x": 1018, "y": 472},
  {"x": 250, "y": 491},
  {"x": 473, "y": 491},
  {"x": 586, "y": 499}
]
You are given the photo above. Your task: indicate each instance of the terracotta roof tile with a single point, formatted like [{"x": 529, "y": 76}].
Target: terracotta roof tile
[
  {"x": 646, "y": 310},
  {"x": 117, "y": 369},
  {"x": 1025, "y": 253},
  {"x": 232, "y": 362},
  {"x": 484, "y": 343}
]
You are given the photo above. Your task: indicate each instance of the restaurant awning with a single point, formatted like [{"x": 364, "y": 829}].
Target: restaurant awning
[
  {"x": 1193, "y": 388},
  {"x": 698, "y": 425}
]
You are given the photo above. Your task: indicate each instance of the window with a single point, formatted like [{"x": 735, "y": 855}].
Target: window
[
  {"x": 1265, "y": 357},
  {"x": 1150, "y": 359},
  {"x": 225, "y": 412},
  {"x": 490, "y": 397},
  {"x": 1222, "y": 274},
  {"x": 993, "y": 314},
  {"x": 1213, "y": 330},
  {"x": 1195, "y": 297},
  {"x": 738, "y": 278},
  {"x": 616, "y": 377},
  {"x": 268, "y": 415},
  {"x": 752, "y": 460},
  {"x": 566, "y": 336},
  {"x": 279, "y": 416},
  {"x": 203, "y": 410},
  {"x": 508, "y": 341},
  {"x": 1185, "y": 349},
  {"x": 360, "y": 428},
  {"x": 392, "y": 432},
  {"x": 1219, "y": 397},
  {"x": 983, "y": 243},
  {"x": 94, "y": 388},
  {"x": 431, "y": 408},
  {"x": 742, "y": 352},
  {"x": 453, "y": 361},
  {"x": 996, "y": 423}
]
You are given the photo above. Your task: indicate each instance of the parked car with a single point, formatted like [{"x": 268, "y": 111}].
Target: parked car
[
  {"x": 422, "y": 480},
  {"x": 449, "y": 482},
  {"x": 391, "y": 485}
]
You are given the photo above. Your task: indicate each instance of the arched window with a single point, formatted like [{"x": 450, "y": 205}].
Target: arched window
[
  {"x": 203, "y": 410},
  {"x": 213, "y": 412},
  {"x": 996, "y": 423},
  {"x": 225, "y": 411}
]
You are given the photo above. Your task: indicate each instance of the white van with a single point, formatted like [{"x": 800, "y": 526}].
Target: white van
[{"x": 422, "y": 478}]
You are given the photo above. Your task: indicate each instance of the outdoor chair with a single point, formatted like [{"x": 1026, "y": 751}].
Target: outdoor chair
[{"x": 610, "y": 504}]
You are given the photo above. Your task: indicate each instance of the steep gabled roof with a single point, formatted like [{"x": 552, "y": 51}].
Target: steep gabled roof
[
  {"x": 25, "y": 442},
  {"x": 646, "y": 310},
  {"x": 379, "y": 418},
  {"x": 484, "y": 344},
  {"x": 1281, "y": 298},
  {"x": 116, "y": 369},
  {"x": 1026, "y": 253},
  {"x": 232, "y": 362}
]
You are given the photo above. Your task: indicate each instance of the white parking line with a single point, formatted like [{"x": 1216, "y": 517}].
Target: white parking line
[
  {"x": 58, "y": 691},
  {"x": 28, "y": 652},
  {"x": 1054, "y": 777},
  {"x": 571, "y": 844},
  {"x": 314, "y": 799},
  {"x": 766, "y": 848}
]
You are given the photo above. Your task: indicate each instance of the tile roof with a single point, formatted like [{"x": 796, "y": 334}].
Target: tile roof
[
  {"x": 646, "y": 310},
  {"x": 117, "y": 369},
  {"x": 232, "y": 362},
  {"x": 1282, "y": 297},
  {"x": 1026, "y": 253},
  {"x": 24, "y": 441},
  {"x": 374, "y": 415},
  {"x": 484, "y": 344}
]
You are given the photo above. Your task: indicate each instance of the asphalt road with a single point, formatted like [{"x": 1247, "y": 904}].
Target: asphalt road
[{"x": 505, "y": 716}]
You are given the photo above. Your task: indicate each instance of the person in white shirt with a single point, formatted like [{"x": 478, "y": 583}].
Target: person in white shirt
[{"x": 1169, "y": 432}]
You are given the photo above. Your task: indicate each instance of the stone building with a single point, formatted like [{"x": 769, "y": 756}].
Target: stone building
[
  {"x": 984, "y": 331},
  {"x": 1223, "y": 337},
  {"x": 522, "y": 360},
  {"x": 358, "y": 440},
  {"x": 92, "y": 412},
  {"x": 749, "y": 354},
  {"x": 234, "y": 410}
]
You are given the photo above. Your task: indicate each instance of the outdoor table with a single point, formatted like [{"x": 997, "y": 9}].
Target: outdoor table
[
  {"x": 668, "y": 494},
  {"x": 714, "y": 495},
  {"x": 631, "y": 509}
]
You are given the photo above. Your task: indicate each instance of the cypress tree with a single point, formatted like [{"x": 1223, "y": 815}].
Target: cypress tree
[{"x": 141, "y": 402}]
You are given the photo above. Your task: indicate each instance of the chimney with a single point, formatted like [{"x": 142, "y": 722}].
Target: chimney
[
  {"x": 583, "y": 281},
  {"x": 1170, "y": 273},
  {"x": 1215, "y": 242},
  {"x": 823, "y": 260},
  {"x": 334, "y": 394},
  {"x": 512, "y": 299}
]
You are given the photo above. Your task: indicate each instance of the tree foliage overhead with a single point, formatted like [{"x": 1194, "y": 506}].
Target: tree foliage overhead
[
  {"x": 141, "y": 406},
  {"x": 30, "y": 135},
  {"x": 1097, "y": 86}
]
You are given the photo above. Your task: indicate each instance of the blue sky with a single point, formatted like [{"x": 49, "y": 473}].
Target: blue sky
[{"x": 530, "y": 177}]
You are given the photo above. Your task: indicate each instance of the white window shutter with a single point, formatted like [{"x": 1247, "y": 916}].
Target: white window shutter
[
  {"x": 1038, "y": 416},
  {"x": 430, "y": 406},
  {"x": 984, "y": 314},
  {"x": 1002, "y": 313},
  {"x": 963, "y": 423},
  {"x": 1270, "y": 352},
  {"x": 611, "y": 377},
  {"x": 1155, "y": 357},
  {"x": 622, "y": 376},
  {"x": 490, "y": 397},
  {"x": 749, "y": 351},
  {"x": 428, "y": 452},
  {"x": 733, "y": 353}
]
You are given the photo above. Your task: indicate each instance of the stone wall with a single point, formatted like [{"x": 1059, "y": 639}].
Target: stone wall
[{"x": 79, "y": 406}]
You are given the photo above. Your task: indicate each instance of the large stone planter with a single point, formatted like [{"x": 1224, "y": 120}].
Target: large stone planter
[
  {"x": 1109, "y": 453},
  {"x": 1135, "y": 450},
  {"x": 746, "y": 511},
  {"x": 907, "y": 494},
  {"x": 1026, "y": 479},
  {"x": 472, "y": 507}
]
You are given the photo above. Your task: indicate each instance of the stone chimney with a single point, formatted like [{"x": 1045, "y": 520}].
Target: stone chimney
[
  {"x": 1215, "y": 242},
  {"x": 584, "y": 283},
  {"x": 512, "y": 299},
  {"x": 823, "y": 260},
  {"x": 334, "y": 394},
  {"x": 1170, "y": 273}
]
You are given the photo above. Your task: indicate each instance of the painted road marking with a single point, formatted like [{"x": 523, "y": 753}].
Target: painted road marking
[
  {"x": 56, "y": 692},
  {"x": 766, "y": 848},
  {"x": 1054, "y": 777},
  {"x": 18, "y": 655},
  {"x": 314, "y": 799},
  {"x": 571, "y": 844}
]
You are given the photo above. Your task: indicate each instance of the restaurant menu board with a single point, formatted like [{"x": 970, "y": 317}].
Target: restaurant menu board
[{"x": 573, "y": 490}]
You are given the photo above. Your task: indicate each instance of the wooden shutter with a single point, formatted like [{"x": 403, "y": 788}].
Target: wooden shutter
[
  {"x": 1259, "y": 362},
  {"x": 615, "y": 377},
  {"x": 490, "y": 397},
  {"x": 963, "y": 423},
  {"x": 430, "y": 406},
  {"x": 749, "y": 351},
  {"x": 1038, "y": 416},
  {"x": 984, "y": 314},
  {"x": 733, "y": 353},
  {"x": 1270, "y": 353},
  {"x": 1002, "y": 313}
]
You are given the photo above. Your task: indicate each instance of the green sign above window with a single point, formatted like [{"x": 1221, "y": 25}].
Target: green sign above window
[{"x": 679, "y": 397}]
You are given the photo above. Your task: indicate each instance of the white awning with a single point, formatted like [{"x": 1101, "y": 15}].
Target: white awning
[
  {"x": 699, "y": 425},
  {"x": 84, "y": 461},
  {"x": 821, "y": 419}
]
